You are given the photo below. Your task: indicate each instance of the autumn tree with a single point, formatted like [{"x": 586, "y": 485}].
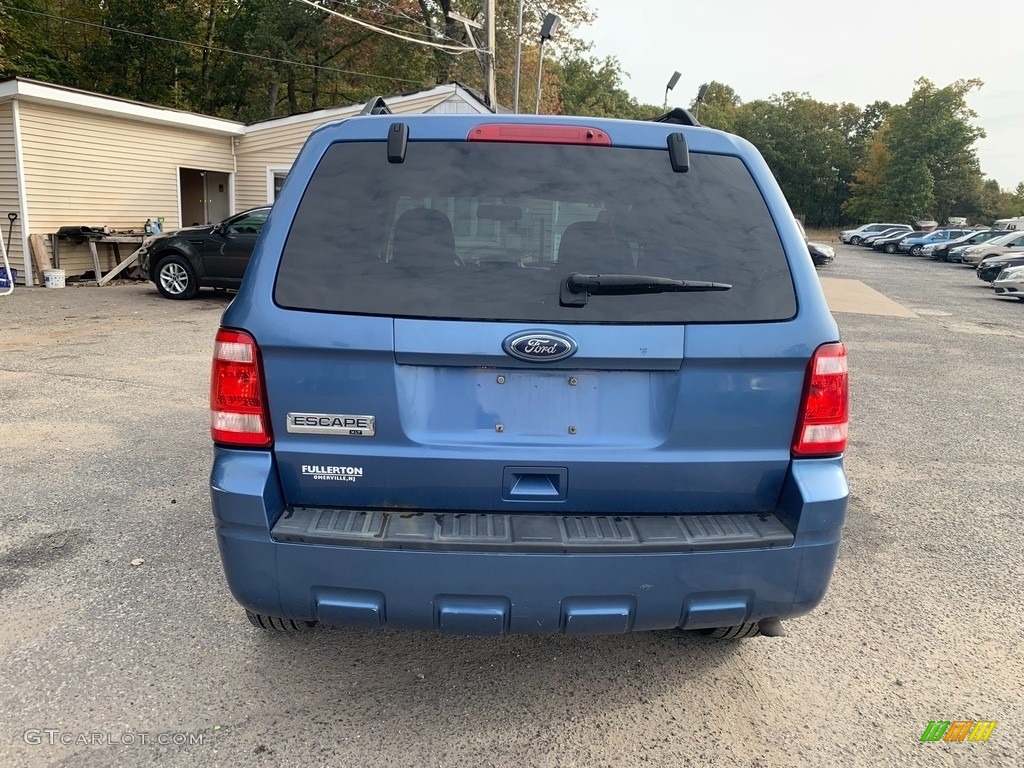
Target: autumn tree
[
  {"x": 932, "y": 168},
  {"x": 865, "y": 200}
]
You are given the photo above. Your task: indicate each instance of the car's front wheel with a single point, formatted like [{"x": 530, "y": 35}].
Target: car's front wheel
[
  {"x": 890, "y": 248},
  {"x": 855, "y": 240},
  {"x": 175, "y": 278},
  {"x": 915, "y": 250}
]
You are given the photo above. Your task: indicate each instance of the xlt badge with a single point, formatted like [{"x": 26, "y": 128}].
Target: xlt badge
[{"x": 332, "y": 424}]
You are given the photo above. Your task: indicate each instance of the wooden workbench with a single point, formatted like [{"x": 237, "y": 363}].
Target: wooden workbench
[{"x": 113, "y": 241}]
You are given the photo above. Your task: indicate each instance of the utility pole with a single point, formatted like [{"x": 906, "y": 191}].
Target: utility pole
[
  {"x": 491, "y": 81},
  {"x": 519, "y": 55},
  {"x": 484, "y": 55}
]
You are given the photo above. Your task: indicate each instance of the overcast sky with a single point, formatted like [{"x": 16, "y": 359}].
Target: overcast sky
[{"x": 847, "y": 51}]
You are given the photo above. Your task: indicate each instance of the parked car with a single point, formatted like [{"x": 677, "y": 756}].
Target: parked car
[
  {"x": 989, "y": 269},
  {"x": 869, "y": 240},
  {"x": 854, "y": 236},
  {"x": 821, "y": 254},
  {"x": 182, "y": 262},
  {"x": 633, "y": 421},
  {"x": 888, "y": 243},
  {"x": 1010, "y": 283},
  {"x": 940, "y": 251},
  {"x": 915, "y": 244},
  {"x": 1015, "y": 223},
  {"x": 1011, "y": 241}
]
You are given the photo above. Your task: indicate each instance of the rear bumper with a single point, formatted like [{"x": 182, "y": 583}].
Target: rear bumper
[{"x": 494, "y": 592}]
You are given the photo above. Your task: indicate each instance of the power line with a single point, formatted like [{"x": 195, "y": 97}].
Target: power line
[
  {"x": 214, "y": 48},
  {"x": 457, "y": 49},
  {"x": 398, "y": 14}
]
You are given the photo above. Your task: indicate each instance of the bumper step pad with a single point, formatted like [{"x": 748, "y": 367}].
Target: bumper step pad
[{"x": 473, "y": 531}]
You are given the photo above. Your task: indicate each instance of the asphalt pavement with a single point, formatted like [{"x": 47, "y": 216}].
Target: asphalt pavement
[{"x": 121, "y": 646}]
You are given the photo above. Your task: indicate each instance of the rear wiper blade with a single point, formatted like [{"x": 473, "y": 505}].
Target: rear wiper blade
[{"x": 577, "y": 288}]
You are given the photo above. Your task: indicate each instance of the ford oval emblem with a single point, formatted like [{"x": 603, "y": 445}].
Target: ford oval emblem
[{"x": 539, "y": 346}]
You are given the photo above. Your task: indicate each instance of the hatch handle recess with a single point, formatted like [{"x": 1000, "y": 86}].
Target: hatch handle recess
[{"x": 534, "y": 483}]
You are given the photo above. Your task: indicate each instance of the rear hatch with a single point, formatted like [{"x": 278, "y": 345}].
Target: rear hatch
[{"x": 426, "y": 352}]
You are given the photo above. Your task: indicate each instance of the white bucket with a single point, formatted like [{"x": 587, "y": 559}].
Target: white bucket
[{"x": 53, "y": 278}]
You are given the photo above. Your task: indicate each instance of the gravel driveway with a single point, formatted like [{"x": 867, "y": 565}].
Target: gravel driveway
[{"x": 104, "y": 458}]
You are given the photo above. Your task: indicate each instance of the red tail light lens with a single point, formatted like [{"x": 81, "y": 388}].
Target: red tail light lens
[
  {"x": 238, "y": 413},
  {"x": 825, "y": 408}
]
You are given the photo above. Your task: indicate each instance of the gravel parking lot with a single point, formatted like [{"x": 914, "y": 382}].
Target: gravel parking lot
[{"x": 104, "y": 456}]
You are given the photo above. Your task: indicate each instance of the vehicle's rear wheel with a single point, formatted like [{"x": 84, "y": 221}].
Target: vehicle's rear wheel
[
  {"x": 855, "y": 240},
  {"x": 732, "y": 633},
  {"x": 175, "y": 278},
  {"x": 275, "y": 624},
  {"x": 915, "y": 250}
]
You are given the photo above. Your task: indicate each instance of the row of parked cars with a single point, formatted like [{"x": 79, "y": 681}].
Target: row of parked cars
[{"x": 997, "y": 254}]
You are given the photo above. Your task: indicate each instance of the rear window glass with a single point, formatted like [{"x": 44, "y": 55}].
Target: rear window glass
[{"x": 488, "y": 231}]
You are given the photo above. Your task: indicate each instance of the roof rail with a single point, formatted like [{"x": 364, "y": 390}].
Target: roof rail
[
  {"x": 376, "y": 106},
  {"x": 677, "y": 116}
]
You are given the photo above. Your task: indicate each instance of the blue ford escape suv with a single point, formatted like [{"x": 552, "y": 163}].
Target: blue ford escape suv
[{"x": 498, "y": 374}]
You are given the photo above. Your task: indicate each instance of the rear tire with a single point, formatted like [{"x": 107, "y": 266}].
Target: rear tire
[
  {"x": 732, "y": 633},
  {"x": 275, "y": 624}
]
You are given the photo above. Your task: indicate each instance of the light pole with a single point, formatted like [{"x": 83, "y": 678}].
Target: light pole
[
  {"x": 550, "y": 26},
  {"x": 701, "y": 93},
  {"x": 671, "y": 84},
  {"x": 519, "y": 55}
]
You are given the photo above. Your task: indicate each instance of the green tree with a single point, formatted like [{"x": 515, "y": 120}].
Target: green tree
[
  {"x": 807, "y": 145},
  {"x": 719, "y": 107},
  {"x": 907, "y": 189},
  {"x": 933, "y": 169},
  {"x": 27, "y": 47},
  {"x": 592, "y": 86}
]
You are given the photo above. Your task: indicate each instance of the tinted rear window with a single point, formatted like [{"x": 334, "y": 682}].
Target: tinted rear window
[{"x": 487, "y": 231}]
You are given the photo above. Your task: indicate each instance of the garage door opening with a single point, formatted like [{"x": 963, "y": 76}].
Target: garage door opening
[{"x": 205, "y": 196}]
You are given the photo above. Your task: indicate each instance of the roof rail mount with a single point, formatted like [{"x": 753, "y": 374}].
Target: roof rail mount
[
  {"x": 677, "y": 116},
  {"x": 376, "y": 106}
]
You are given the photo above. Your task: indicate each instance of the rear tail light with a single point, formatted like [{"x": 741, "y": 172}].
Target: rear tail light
[
  {"x": 238, "y": 405},
  {"x": 525, "y": 133},
  {"x": 825, "y": 407}
]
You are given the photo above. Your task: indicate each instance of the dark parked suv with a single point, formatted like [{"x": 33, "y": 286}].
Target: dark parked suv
[
  {"x": 495, "y": 374},
  {"x": 182, "y": 262}
]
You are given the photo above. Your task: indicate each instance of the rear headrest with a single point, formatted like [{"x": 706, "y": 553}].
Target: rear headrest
[
  {"x": 590, "y": 247},
  {"x": 423, "y": 237}
]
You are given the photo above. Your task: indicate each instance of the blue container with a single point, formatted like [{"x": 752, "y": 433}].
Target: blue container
[{"x": 6, "y": 281}]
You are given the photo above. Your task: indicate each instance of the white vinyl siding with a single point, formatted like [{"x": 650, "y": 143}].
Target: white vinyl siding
[
  {"x": 91, "y": 160},
  {"x": 9, "y": 202},
  {"x": 274, "y": 145},
  {"x": 86, "y": 168}
]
